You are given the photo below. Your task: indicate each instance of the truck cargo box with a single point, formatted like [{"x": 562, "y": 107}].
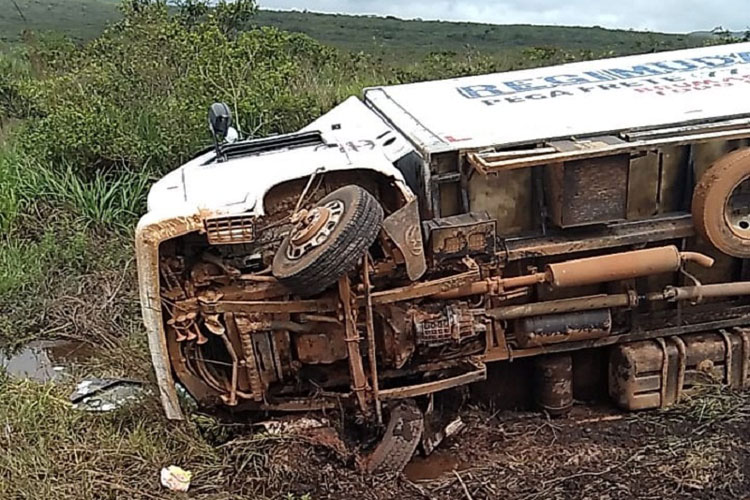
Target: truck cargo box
[{"x": 572, "y": 100}]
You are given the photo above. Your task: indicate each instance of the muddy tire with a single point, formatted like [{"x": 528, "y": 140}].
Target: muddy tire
[
  {"x": 721, "y": 212},
  {"x": 359, "y": 217},
  {"x": 402, "y": 435}
]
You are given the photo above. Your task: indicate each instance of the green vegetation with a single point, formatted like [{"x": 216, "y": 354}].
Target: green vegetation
[
  {"x": 78, "y": 19},
  {"x": 50, "y": 451},
  {"x": 85, "y": 128},
  {"x": 385, "y": 36},
  {"x": 403, "y": 39}
]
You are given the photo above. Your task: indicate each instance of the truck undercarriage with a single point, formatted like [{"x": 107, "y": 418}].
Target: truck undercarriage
[
  {"x": 420, "y": 308},
  {"x": 536, "y": 232}
]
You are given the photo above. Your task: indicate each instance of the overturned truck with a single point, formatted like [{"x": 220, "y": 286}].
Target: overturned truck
[{"x": 592, "y": 217}]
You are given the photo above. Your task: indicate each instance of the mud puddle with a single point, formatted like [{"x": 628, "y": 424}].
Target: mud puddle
[
  {"x": 44, "y": 360},
  {"x": 441, "y": 462}
]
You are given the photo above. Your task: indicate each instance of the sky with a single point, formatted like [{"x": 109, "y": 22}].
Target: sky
[{"x": 676, "y": 16}]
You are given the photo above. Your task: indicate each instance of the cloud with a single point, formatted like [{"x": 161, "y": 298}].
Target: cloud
[{"x": 653, "y": 15}]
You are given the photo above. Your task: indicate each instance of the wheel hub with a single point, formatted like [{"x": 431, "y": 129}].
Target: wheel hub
[
  {"x": 310, "y": 224},
  {"x": 737, "y": 210},
  {"x": 313, "y": 228}
]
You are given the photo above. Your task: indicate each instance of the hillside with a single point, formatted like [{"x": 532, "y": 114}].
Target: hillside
[
  {"x": 79, "y": 19},
  {"x": 82, "y": 19},
  {"x": 389, "y": 35}
]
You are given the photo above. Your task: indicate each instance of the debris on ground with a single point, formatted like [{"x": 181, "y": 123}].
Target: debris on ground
[
  {"x": 292, "y": 425},
  {"x": 176, "y": 478},
  {"x": 317, "y": 432},
  {"x": 103, "y": 394}
]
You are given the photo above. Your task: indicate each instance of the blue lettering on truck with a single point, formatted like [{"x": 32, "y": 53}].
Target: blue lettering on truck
[{"x": 654, "y": 73}]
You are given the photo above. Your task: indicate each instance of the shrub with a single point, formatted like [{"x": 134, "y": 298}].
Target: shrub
[
  {"x": 15, "y": 68},
  {"x": 138, "y": 94}
]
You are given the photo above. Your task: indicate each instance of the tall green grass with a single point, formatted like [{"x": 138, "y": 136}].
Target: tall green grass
[
  {"x": 112, "y": 200},
  {"x": 19, "y": 186},
  {"x": 64, "y": 236}
]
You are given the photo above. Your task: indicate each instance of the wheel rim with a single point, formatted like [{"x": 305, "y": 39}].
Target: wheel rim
[
  {"x": 737, "y": 209},
  {"x": 314, "y": 228}
]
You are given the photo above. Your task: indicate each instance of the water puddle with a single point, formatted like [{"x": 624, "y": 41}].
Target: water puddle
[
  {"x": 439, "y": 463},
  {"x": 44, "y": 360}
]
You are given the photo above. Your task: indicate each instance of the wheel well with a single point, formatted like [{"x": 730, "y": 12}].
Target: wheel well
[{"x": 282, "y": 198}]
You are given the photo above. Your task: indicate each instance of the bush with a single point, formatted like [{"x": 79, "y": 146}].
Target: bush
[
  {"x": 138, "y": 95},
  {"x": 14, "y": 69}
]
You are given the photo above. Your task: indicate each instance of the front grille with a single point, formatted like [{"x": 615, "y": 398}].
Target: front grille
[{"x": 230, "y": 229}]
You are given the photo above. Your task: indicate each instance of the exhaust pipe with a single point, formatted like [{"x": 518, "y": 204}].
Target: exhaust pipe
[{"x": 621, "y": 266}]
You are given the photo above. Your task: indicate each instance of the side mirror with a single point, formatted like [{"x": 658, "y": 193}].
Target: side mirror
[{"x": 219, "y": 121}]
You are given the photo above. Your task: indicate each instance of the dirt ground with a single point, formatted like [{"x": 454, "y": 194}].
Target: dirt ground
[{"x": 700, "y": 449}]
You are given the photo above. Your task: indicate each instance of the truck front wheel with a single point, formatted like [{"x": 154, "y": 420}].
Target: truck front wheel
[{"x": 328, "y": 240}]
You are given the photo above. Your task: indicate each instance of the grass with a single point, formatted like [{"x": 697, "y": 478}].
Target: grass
[
  {"x": 59, "y": 232},
  {"x": 66, "y": 264},
  {"x": 52, "y": 451},
  {"x": 78, "y": 19},
  {"x": 106, "y": 199}
]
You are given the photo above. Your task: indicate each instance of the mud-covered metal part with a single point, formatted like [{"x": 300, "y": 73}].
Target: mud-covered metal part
[
  {"x": 356, "y": 369},
  {"x": 589, "y": 271},
  {"x": 700, "y": 292},
  {"x": 599, "y": 238},
  {"x": 494, "y": 286},
  {"x": 401, "y": 438},
  {"x": 553, "y": 383},
  {"x": 325, "y": 346},
  {"x": 543, "y": 330},
  {"x": 587, "y": 191},
  {"x": 396, "y": 344},
  {"x": 442, "y": 417},
  {"x": 721, "y": 204},
  {"x": 459, "y": 236},
  {"x": 621, "y": 266},
  {"x": 625, "y": 300},
  {"x": 654, "y": 373},
  {"x": 230, "y": 229},
  {"x": 563, "y": 306},
  {"x": 425, "y": 289},
  {"x": 471, "y": 370},
  {"x": 453, "y": 323},
  {"x": 313, "y": 228},
  {"x": 404, "y": 229},
  {"x": 241, "y": 327},
  {"x": 371, "y": 344}
]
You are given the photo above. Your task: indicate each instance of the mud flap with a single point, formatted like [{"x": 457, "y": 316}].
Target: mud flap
[
  {"x": 441, "y": 419},
  {"x": 402, "y": 435},
  {"x": 403, "y": 227}
]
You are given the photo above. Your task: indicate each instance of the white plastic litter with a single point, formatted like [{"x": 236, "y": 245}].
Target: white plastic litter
[
  {"x": 176, "y": 478},
  {"x": 290, "y": 426}
]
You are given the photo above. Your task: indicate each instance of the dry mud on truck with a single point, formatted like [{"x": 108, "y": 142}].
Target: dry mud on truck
[{"x": 592, "y": 217}]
